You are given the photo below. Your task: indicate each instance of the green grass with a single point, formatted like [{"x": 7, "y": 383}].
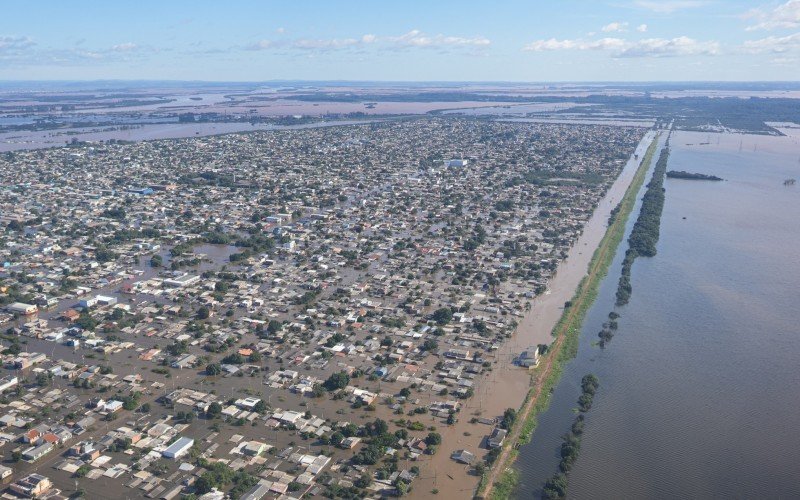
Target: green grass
[
  {"x": 571, "y": 325},
  {"x": 505, "y": 487}
]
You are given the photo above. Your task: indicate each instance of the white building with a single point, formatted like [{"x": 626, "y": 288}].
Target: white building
[
  {"x": 20, "y": 308},
  {"x": 178, "y": 448}
]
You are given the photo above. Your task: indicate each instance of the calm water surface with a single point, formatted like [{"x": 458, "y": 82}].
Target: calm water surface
[{"x": 699, "y": 389}]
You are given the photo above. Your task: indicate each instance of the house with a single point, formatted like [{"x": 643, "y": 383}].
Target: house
[
  {"x": 247, "y": 403},
  {"x": 350, "y": 442},
  {"x": 259, "y": 491},
  {"x": 32, "y": 486},
  {"x": 463, "y": 456},
  {"x": 178, "y": 448},
  {"x": 113, "y": 406},
  {"x": 528, "y": 358},
  {"x": 496, "y": 438},
  {"x": 21, "y": 308},
  {"x": 288, "y": 417},
  {"x": 87, "y": 302},
  {"x": 454, "y": 353},
  {"x": 5, "y": 473},
  {"x": 105, "y": 300},
  {"x": 186, "y": 361},
  {"x": 254, "y": 448},
  {"x": 182, "y": 281},
  {"x": 36, "y": 452},
  {"x": 8, "y": 382},
  {"x": 31, "y": 436},
  {"x": 70, "y": 315}
]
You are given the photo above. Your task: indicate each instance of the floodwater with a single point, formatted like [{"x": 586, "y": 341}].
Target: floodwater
[
  {"x": 515, "y": 109},
  {"x": 507, "y": 384},
  {"x": 618, "y": 122},
  {"x": 698, "y": 388},
  {"x": 12, "y": 141}
]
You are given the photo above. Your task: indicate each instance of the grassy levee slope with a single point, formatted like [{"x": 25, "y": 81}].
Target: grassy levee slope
[{"x": 499, "y": 481}]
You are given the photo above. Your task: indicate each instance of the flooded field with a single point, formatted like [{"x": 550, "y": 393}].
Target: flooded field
[{"x": 12, "y": 141}]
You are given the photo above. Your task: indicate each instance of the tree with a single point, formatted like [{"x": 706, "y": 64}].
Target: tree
[
  {"x": 103, "y": 254},
  {"x": 317, "y": 391},
  {"x": 368, "y": 455},
  {"x": 336, "y": 438},
  {"x": 203, "y": 313},
  {"x": 509, "y": 416},
  {"x": 42, "y": 380},
  {"x": 443, "y": 315},
  {"x": 430, "y": 345},
  {"x": 337, "y": 381},
  {"x": 82, "y": 470},
  {"x": 213, "y": 369},
  {"x": 555, "y": 487},
  {"x": 86, "y": 321},
  {"x": 234, "y": 359},
  {"x": 402, "y": 487},
  {"x": 156, "y": 261},
  {"x": 590, "y": 383},
  {"x": 377, "y": 428},
  {"x": 363, "y": 481},
  {"x": 433, "y": 439},
  {"x": 214, "y": 410},
  {"x": 274, "y": 326}
]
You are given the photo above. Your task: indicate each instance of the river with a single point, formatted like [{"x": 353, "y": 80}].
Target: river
[{"x": 698, "y": 388}]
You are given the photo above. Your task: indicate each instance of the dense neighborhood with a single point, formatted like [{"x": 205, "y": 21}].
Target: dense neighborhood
[{"x": 281, "y": 314}]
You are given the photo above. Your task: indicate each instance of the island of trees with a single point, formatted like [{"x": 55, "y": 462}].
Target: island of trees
[
  {"x": 556, "y": 487},
  {"x": 680, "y": 174},
  {"x": 645, "y": 232}
]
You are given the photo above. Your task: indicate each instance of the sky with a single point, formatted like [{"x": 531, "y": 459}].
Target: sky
[{"x": 403, "y": 40}]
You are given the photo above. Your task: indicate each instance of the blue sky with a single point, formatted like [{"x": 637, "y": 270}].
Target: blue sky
[{"x": 513, "y": 40}]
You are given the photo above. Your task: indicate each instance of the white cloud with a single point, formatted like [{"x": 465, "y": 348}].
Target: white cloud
[
  {"x": 325, "y": 44},
  {"x": 774, "y": 44},
  {"x": 411, "y": 39},
  {"x": 554, "y": 44},
  {"x": 613, "y": 27},
  {"x": 124, "y": 47},
  {"x": 416, "y": 38},
  {"x": 88, "y": 54},
  {"x": 642, "y": 28},
  {"x": 668, "y": 6},
  {"x": 261, "y": 45},
  {"x": 660, "y": 47},
  {"x": 650, "y": 47},
  {"x": 784, "y": 16},
  {"x": 13, "y": 42},
  {"x": 280, "y": 31}
]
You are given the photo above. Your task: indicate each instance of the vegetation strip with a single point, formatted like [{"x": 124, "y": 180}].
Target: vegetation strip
[
  {"x": 645, "y": 232},
  {"x": 556, "y": 487},
  {"x": 499, "y": 481}
]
